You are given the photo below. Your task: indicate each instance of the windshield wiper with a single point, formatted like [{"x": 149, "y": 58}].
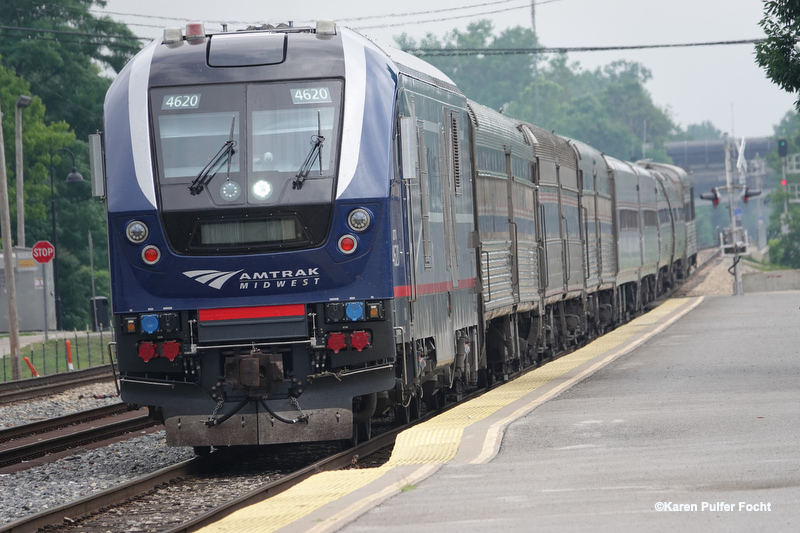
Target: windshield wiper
[
  {"x": 210, "y": 170},
  {"x": 316, "y": 152}
]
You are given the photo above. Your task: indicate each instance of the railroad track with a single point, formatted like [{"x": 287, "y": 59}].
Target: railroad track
[
  {"x": 24, "y": 389},
  {"x": 110, "y": 504},
  {"x": 113, "y": 509},
  {"x": 31, "y": 441}
]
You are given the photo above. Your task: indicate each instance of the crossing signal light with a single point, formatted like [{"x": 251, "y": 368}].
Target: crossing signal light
[
  {"x": 783, "y": 149},
  {"x": 748, "y": 193},
  {"x": 783, "y": 182},
  {"x": 713, "y": 196}
]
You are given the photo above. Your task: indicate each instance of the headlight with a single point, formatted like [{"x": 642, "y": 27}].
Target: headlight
[
  {"x": 137, "y": 232},
  {"x": 262, "y": 189},
  {"x": 358, "y": 219}
]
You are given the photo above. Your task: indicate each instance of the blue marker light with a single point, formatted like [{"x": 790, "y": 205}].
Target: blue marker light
[
  {"x": 354, "y": 310},
  {"x": 149, "y": 323}
]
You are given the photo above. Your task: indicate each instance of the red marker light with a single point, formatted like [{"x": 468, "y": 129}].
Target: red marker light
[
  {"x": 783, "y": 182},
  {"x": 195, "y": 30},
  {"x": 347, "y": 244},
  {"x": 151, "y": 255}
]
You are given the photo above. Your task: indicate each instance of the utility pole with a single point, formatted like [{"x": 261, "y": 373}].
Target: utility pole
[
  {"x": 762, "y": 230},
  {"x": 734, "y": 239},
  {"x": 535, "y": 65},
  {"x": 737, "y": 284},
  {"x": 644, "y": 140},
  {"x": 8, "y": 263}
]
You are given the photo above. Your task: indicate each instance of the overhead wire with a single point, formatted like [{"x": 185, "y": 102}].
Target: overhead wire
[
  {"x": 564, "y": 49},
  {"x": 66, "y": 32},
  {"x": 353, "y": 19}
]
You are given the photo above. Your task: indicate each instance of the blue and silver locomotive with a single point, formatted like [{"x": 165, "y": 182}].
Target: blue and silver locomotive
[{"x": 307, "y": 230}]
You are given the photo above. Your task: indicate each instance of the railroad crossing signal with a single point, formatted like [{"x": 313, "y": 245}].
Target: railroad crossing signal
[
  {"x": 749, "y": 193},
  {"x": 713, "y": 196},
  {"x": 43, "y": 252}
]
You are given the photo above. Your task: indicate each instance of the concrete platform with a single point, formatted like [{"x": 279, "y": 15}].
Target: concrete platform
[
  {"x": 696, "y": 430},
  {"x": 685, "y": 418}
]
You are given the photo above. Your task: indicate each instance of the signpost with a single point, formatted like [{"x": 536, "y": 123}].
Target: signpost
[{"x": 44, "y": 252}]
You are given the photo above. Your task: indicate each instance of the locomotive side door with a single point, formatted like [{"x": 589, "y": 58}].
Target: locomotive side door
[{"x": 432, "y": 263}]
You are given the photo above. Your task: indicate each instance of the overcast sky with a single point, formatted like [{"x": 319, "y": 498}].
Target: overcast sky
[{"x": 721, "y": 84}]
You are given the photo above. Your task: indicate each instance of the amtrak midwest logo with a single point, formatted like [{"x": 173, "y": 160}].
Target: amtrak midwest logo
[{"x": 257, "y": 280}]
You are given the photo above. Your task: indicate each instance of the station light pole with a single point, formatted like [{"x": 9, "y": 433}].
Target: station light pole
[{"x": 73, "y": 177}]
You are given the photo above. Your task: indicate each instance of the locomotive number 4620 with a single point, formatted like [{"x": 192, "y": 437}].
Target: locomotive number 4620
[
  {"x": 310, "y": 95},
  {"x": 181, "y": 101}
]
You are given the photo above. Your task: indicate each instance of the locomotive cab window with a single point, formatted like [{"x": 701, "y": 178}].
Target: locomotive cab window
[{"x": 222, "y": 152}]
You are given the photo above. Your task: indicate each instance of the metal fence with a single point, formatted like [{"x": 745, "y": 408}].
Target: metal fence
[{"x": 62, "y": 352}]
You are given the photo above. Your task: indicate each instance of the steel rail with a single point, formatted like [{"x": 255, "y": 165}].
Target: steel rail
[
  {"x": 51, "y": 424},
  {"x": 24, "y": 389},
  {"x": 335, "y": 462},
  {"x": 93, "y": 503},
  {"x": 268, "y": 490},
  {"x": 73, "y": 511},
  {"x": 20, "y": 450}
]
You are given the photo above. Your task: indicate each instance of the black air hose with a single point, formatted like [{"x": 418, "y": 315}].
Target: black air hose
[
  {"x": 279, "y": 418},
  {"x": 223, "y": 418}
]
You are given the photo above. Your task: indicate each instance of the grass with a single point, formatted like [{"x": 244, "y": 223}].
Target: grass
[
  {"x": 50, "y": 357},
  {"x": 763, "y": 267}
]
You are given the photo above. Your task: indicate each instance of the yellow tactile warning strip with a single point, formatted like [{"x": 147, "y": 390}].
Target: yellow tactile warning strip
[{"x": 437, "y": 441}]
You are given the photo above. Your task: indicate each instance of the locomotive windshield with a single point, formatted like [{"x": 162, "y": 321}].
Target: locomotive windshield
[{"x": 229, "y": 159}]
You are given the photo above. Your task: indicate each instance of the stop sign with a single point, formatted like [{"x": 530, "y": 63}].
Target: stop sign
[{"x": 43, "y": 252}]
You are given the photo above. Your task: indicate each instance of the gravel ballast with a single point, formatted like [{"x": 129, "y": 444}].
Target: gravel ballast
[{"x": 84, "y": 473}]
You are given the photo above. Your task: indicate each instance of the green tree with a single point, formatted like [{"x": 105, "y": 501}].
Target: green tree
[
  {"x": 784, "y": 250},
  {"x": 62, "y": 49},
  {"x": 76, "y": 214},
  {"x": 705, "y": 131},
  {"x": 608, "y": 107},
  {"x": 492, "y": 80},
  {"x": 777, "y": 54},
  {"x": 784, "y": 246}
]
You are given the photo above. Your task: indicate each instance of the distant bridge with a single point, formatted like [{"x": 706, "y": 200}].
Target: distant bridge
[{"x": 706, "y": 161}]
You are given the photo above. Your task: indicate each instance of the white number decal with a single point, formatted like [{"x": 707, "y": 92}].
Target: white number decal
[{"x": 311, "y": 95}]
